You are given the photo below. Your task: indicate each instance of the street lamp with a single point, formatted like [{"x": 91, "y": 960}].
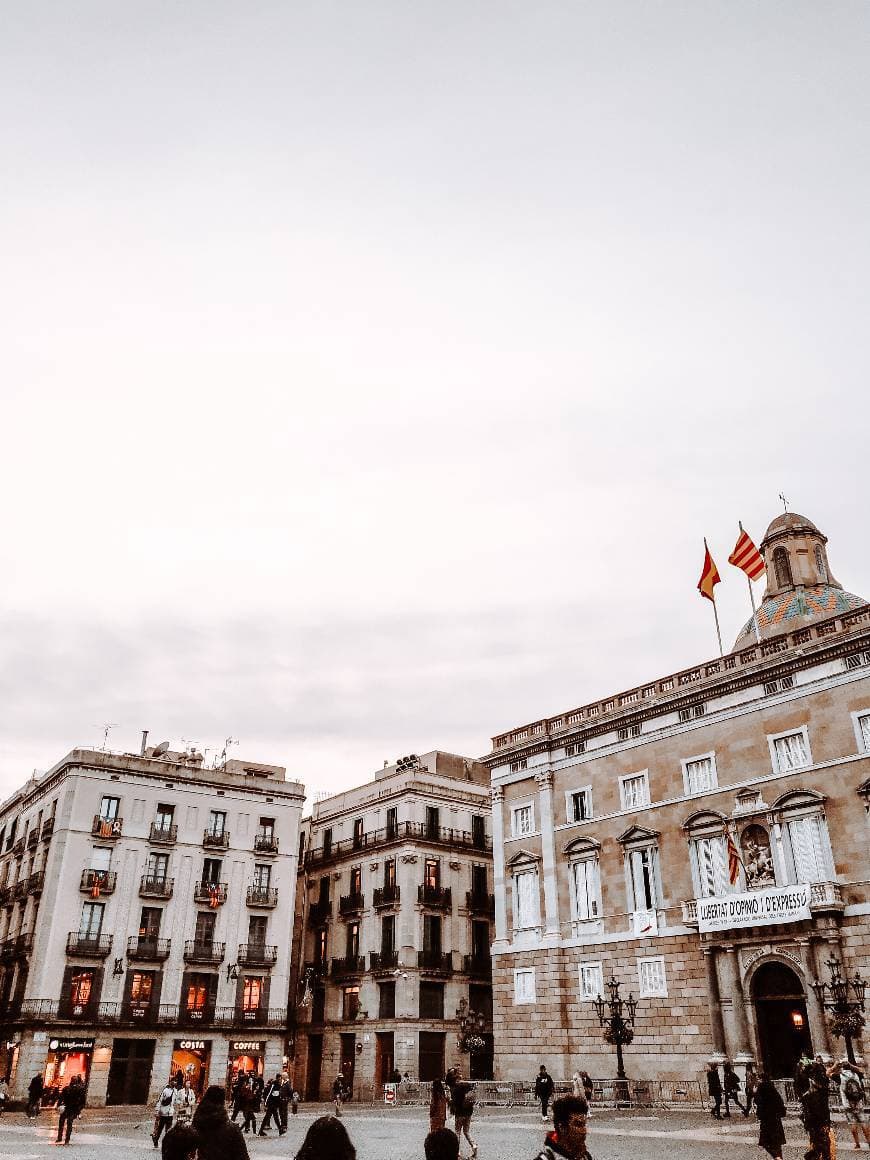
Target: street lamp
[
  {"x": 471, "y": 1026},
  {"x": 616, "y": 1016},
  {"x": 846, "y": 1015}
]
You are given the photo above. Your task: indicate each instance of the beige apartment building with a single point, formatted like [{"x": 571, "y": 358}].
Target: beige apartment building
[
  {"x": 611, "y": 827},
  {"x": 146, "y": 908},
  {"x": 396, "y": 904}
]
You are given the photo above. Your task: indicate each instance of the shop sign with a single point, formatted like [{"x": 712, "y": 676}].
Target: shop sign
[
  {"x": 71, "y": 1045},
  {"x": 768, "y": 907},
  {"x": 247, "y": 1045},
  {"x": 190, "y": 1045}
]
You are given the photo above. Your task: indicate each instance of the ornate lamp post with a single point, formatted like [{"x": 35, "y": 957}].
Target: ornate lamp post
[
  {"x": 846, "y": 1015},
  {"x": 616, "y": 1016},
  {"x": 471, "y": 1024}
]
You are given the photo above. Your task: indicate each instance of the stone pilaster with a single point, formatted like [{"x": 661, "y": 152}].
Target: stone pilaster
[
  {"x": 717, "y": 1028},
  {"x": 733, "y": 1003},
  {"x": 498, "y": 875},
  {"x": 544, "y": 780}
]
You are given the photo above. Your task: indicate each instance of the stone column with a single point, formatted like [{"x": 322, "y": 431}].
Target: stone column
[
  {"x": 544, "y": 781},
  {"x": 498, "y": 877},
  {"x": 717, "y": 1028},
  {"x": 735, "y": 1023}
]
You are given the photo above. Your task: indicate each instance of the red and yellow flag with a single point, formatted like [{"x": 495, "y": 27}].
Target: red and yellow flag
[
  {"x": 734, "y": 862},
  {"x": 709, "y": 575},
  {"x": 747, "y": 557}
]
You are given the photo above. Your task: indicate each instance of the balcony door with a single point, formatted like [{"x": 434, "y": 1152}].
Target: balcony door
[
  {"x": 432, "y": 935},
  {"x": 91, "y": 926},
  {"x": 205, "y": 927}
]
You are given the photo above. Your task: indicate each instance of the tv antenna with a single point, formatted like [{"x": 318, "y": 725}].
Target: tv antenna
[
  {"x": 229, "y": 741},
  {"x": 107, "y": 728}
]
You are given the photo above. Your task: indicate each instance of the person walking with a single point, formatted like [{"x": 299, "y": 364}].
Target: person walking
[
  {"x": 731, "y": 1087},
  {"x": 437, "y": 1106},
  {"x": 816, "y": 1117},
  {"x": 714, "y": 1090},
  {"x": 218, "y": 1138},
  {"x": 850, "y": 1080},
  {"x": 183, "y": 1104},
  {"x": 4, "y": 1095},
  {"x": 272, "y": 1106},
  {"x": 770, "y": 1109},
  {"x": 750, "y": 1085},
  {"x": 238, "y": 1088},
  {"x": 462, "y": 1106},
  {"x": 73, "y": 1099},
  {"x": 338, "y": 1093},
  {"x": 285, "y": 1095},
  {"x": 34, "y": 1096},
  {"x": 568, "y": 1137},
  {"x": 544, "y": 1088},
  {"x": 163, "y": 1113},
  {"x": 326, "y": 1139},
  {"x": 248, "y": 1105}
]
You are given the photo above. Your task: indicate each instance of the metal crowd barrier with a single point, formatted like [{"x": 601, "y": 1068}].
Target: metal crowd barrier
[{"x": 607, "y": 1093}]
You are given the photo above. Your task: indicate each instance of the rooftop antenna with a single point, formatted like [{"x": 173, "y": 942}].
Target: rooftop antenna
[
  {"x": 784, "y": 502},
  {"x": 107, "y": 729},
  {"x": 229, "y": 741}
]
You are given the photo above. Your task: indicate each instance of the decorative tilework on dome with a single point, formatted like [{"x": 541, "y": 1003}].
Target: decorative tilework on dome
[{"x": 814, "y": 603}]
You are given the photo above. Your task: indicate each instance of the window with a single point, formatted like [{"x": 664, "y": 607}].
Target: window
[
  {"x": 323, "y": 890},
  {"x": 782, "y": 568},
  {"x": 204, "y": 930},
  {"x": 349, "y": 1002},
  {"x": 320, "y": 947},
  {"x": 431, "y": 1000},
  {"x": 628, "y": 731},
  {"x": 318, "y": 1005},
  {"x": 387, "y": 1001},
  {"x": 809, "y": 840},
  {"x": 217, "y": 823},
  {"x": 327, "y": 841},
  {"x": 790, "y": 751},
  {"x": 164, "y": 818},
  {"x": 81, "y": 988},
  {"x": 101, "y": 858},
  {"x": 634, "y": 791},
  {"x": 356, "y": 880},
  {"x": 352, "y": 940},
  {"x": 109, "y": 807},
  {"x": 820, "y": 565},
  {"x": 389, "y": 873},
  {"x": 526, "y": 904},
  {"x": 257, "y": 926},
  {"x": 197, "y": 992},
  {"x": 585, "y": 890},
  {"x": 266, "y": 829},
  {"x": 699, "y": 773},
  {"x": 478, "y": 831},
  {"x": 644, "y": 887},
  {"x": 432, "y": 934},
  {"x": 712, "y": 861},
  {"x": 479, "y": 940},
  {"x": 579, "y": 804},
  {"x": 149, "y": 922},
  {"x": 651, "y": 976},
  {"x": 432, "y": 874},
  {"x": 433, "y": 821},
  {"x": 92, "y": 920},
  {"x": 252, "y": 993},
  {"x": 861, "y": 723},
  {"x": 591, "y": 981},
  {"x": 392, "y": 823},
  {"x": 388, "y": 934},
  {"x": 141, "y": 988},
  {"x": 262, "y": 876},
  {"x": 523, "y": 820},
  {"x": 211, "y": 871},
  {"x": 576, "y": 748},
  {"x": 516, "y": 766},
  {"x": 157, "y": 867},
  {"x": 357, "y": 833},
  {"x": 524, "y": 985}
]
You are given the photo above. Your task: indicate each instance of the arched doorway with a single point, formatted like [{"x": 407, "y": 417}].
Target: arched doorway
[{"x": 781, "y": 1010}]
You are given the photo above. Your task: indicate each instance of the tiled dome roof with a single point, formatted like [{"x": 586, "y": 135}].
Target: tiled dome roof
[{"x": 795, "y": 608}]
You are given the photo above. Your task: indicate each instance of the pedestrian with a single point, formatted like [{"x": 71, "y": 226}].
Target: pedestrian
[
  {"x": 714, "y": 1090},
  {"x": 248, "y": 1106},
  {"x": 462, "y": 1106},
  {"x": 395, "y": 1076},
  {"x": 437, "y": 1106},
  {"x": 770, "y": 1109},
  {"x": 750, "y": 1085},
  {"x": 802, "y": 1076},
  {"x": 238, "y": 1088},
  {"x": 218, "y": 1138},
  {"x": 326, "y": 1139},
  {"x": 850, "y": 1079},
  {"x": 338, "y": 1093},
  {"x": 163, "y": 1113},
  {"x": 731, "y": 1087},
  {"x": 588, "y": 1089},
  {"x": 180, "y": 1143},
  {"x": 441, "y": 1144},
  {"x": 73, "y": 1099},
  {"x": 816, "y": 1117},
  {"x": 183, "y": 1104},
  {"x": 271, "y": 1103},
  {"x": 544, "y": 1088},
  {"x": 4, "y": 1095},
  {"x": 285, "y": 1095},
  {"x": 34, "y": 1096},
  {"x": 294, "y": 1102},
  {"x": 568, "y": 1137}
]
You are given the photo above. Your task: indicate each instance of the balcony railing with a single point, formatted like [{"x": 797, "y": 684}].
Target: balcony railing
[
  {"x": 19, "y": 890},
  {"x": 478, "y": 902},
  {"x": 349, "y": 965},
  {"x": 159, "y": 887},
  {"x": 91, "y": 946},
  {"x": 47, "y": 828},
  {"x": 196, "y": 1016},
  {"x": 204, "y": 952},
  {"x": 265, "y": 844},
  {"x": 351, "y": 903},
  {"x": 32, "y": 839},
  {"x": 6, "y": 893},
  {"x": 35, "y": 882},
  {"x": 319, "y": 913},
  {"x": 435, "y": 962},
  {"x": 80, "y": 1012},
  {"x": 161, "y": 835},
  {"x": 262, "y": 896},
  {"x": 42, "y": 1011},
  {"x": 215, "y": 839},
  {"x": 144, "y": 948},
  {"x": 16, "y": 946},
  {"x": 381, "y": 962},
  {"x": 385, "y": 896},
  {"x": 825, "y": 897},
  {"x": 403, "y": 832},
  {"x": 274, "y": 1017},
  {"x": 213, "y": 893},
  {"x": 477, "y": 966},
  {"x": 435, "y": 897},
  {"x": 18, "y": 846},
  {"x": 257, "y": 955},
  {"x": 107, "y": 827},
  {"x": 97, "y": 882}
]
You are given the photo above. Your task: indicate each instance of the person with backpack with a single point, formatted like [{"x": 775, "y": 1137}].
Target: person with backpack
[
  {"x": 568, "y": 1137},
  {"x": 462, "y": 1106},
  {"x": 770, "y": 1110},
  {"x": 853, "y": 1099},
  {"x": 544, "y": 1088},
  {"x": 164, "y": 1111},
  {"x": 73, "y": 1099},
  {"x": 731, "y": 1088},
  {"x": 272, "y": 1105}
]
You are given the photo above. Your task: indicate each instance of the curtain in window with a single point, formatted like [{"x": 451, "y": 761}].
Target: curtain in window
[
  {"x": 585, "y": 889},
  {"x": 791, "y": 752},
  {"x": 808, "y": 849},
  {"x": 712, "y": 867}
]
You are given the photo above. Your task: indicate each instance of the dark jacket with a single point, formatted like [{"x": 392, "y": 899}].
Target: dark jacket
[
  {"x": 36, "y": 1087},
  {"x": 714, "y": 1083},
  {"x": 458, "y": 1105},
  {"x": 552, "y": 1150},
  {"x": 73, "y": 1098},
  {"x": 815, "y": 1112},
  {"x": 219, "y": 1139},
  {"x": 732, "y": 1081},
  {"x": 272, "y": 1094},
  {"x": 544, "y": 1085}
]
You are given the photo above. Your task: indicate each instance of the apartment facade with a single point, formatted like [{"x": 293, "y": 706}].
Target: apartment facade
[
  {"x": 611, "y": 831},
  {"x": 395, "y": 905},
  {"x": 146, "y": 907}
]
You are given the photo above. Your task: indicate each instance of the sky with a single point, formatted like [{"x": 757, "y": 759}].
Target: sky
[{"x": 371, "y": 373}]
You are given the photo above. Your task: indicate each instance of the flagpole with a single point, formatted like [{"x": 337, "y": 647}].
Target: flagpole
[
  {"x": 751, "y": 599},
  {"x": 718, "y": 632}
]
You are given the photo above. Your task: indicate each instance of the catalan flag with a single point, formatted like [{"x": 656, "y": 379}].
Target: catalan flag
[
  {"x": 734, "y": 862},
  {"x": 709, "y": 576},
  {"x": 747, "y": 557}
]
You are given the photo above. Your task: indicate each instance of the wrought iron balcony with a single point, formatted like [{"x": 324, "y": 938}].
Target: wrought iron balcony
[
  {"x": 319, "y": 913},
  {"x": 81, "y": 1012},
  {"x": 477, "y": 966},
  {"x": 159, "y": 887},
  {"x": 36, "y": 882},
  {"x": 435, "y": 962},
  {"x": 19, "y": 890},
  {"x": 97, "y": 882},
  {"x": 215, "y": 839},
  {"x": 479, "y": 902},
  {"x": 214, "y": 893},
  {"x": 272, "y": 1017},
  {"x": 90, "y": 946},
  {"x": 404, "y": 831},
  {"x": 349, "y": 965},
  {"x": 107, "y": 827},
  {"x": 435, "y": 897},
  {"x": 160, "y": 835},
  {"x": 265, "y": 844},
  {"x": 262, "y": 896},
  {"x": 147, "y": 949},
  {"x": 257, "y": 955},
  {"x": 204, "y": 952},
  {"x": 18, "y": 846},
  {"x": 196, "y": 1016},
  {"x": 32, "y": 839},
  {"x": 351, "y": 903},
  {"x": 383, "y": 962},
  {"x": 16, "y": 947},
  {"x": 385, "y": 896},
  {"x": 6, "y": 893},
  {"x": 47, "y": 828}
]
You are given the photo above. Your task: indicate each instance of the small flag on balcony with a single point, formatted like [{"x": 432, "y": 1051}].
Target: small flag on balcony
[
  {"x": 95, "y": 888},
  {"x": 106, "y": 830},
  {"x": 214, "y": 899},
  {"x": 747, "y": 557},
  {"x": 734, "y": 862}
]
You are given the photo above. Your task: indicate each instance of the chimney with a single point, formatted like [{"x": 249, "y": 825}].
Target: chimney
[{"x": 144, "y": 742}]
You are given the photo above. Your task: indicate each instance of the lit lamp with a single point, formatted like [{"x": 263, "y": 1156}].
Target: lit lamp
[
  {"x": 472, "y": 1024},
  {"x": 846, "y": 1016}
]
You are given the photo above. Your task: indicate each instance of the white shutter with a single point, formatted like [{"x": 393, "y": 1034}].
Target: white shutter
[
  {"x": 525, "y": 892},
  {"x": 864, "y": 722},
  {"x": 709, "y": 877},
  {"x": 807, "y": 845},
  {"x": 585, "y": 890},
  {"x": 791, "y": 752}
]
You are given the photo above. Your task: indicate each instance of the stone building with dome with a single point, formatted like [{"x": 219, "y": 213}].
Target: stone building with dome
[{"x": 611, "y": 828}]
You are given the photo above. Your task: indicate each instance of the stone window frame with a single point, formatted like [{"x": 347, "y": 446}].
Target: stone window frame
[
  {"x": 860, "y": 743},
  {"x": 772, "y": 738},
  {"x": 659, "y": 961},
  {"x": 570, "y": 794},
  {"x": 519, "y": 805},
  {"x": 707, "y": 824},
  {"x": 585, "y": 850},
  {"x": 626, "y": 777},
  {"x": 525, "y": 861},
  {"x": 684, "y": 766},
  {"x": 527, "y": 973},
  {"x": 591, "y": 965},
  {"x": 634, "y": 839},
  {"x": 794, "y": 804}
]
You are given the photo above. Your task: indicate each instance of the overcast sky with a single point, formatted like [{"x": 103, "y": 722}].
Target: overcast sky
[{"x": 372, "y": 372}]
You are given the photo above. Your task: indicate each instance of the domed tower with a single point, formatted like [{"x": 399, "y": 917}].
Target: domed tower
[{"x": 800, "y": 588}]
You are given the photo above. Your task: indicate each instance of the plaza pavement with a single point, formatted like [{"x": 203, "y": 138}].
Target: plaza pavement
[{"x": 398, "y": 1134}]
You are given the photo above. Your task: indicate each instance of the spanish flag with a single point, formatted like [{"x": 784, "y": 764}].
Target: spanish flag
[{"x": 709, "y": 576}]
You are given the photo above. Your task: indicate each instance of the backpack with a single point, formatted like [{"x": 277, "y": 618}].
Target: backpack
[
  {"x": 853, "y": 1089},
  {"x": 468, "y": 1103},
  {"x": 167, "y": 1097}
]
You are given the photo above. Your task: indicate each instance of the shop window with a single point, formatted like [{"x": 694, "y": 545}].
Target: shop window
[
  {"x": 350, "y": 1003},
  {"x": 524, "y": 985},
  {"x": 431, "y": 1000},
  {"x": 651, "y": 978},
  {"x": 790, "y": 751},
  {"x": 699, "y": 773},
  {"x": 591, "y": 981}
]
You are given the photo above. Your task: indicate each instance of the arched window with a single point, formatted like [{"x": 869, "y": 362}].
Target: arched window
[
  {"x": 820, "y": 564},
  {"x": 805, "y": 830},
  {"x": 585, "y": 882},
  {"x": 782, "y": 567}
]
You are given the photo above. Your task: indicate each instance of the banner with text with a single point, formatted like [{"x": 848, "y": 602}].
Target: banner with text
[{"x": 775, "y": 904}]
